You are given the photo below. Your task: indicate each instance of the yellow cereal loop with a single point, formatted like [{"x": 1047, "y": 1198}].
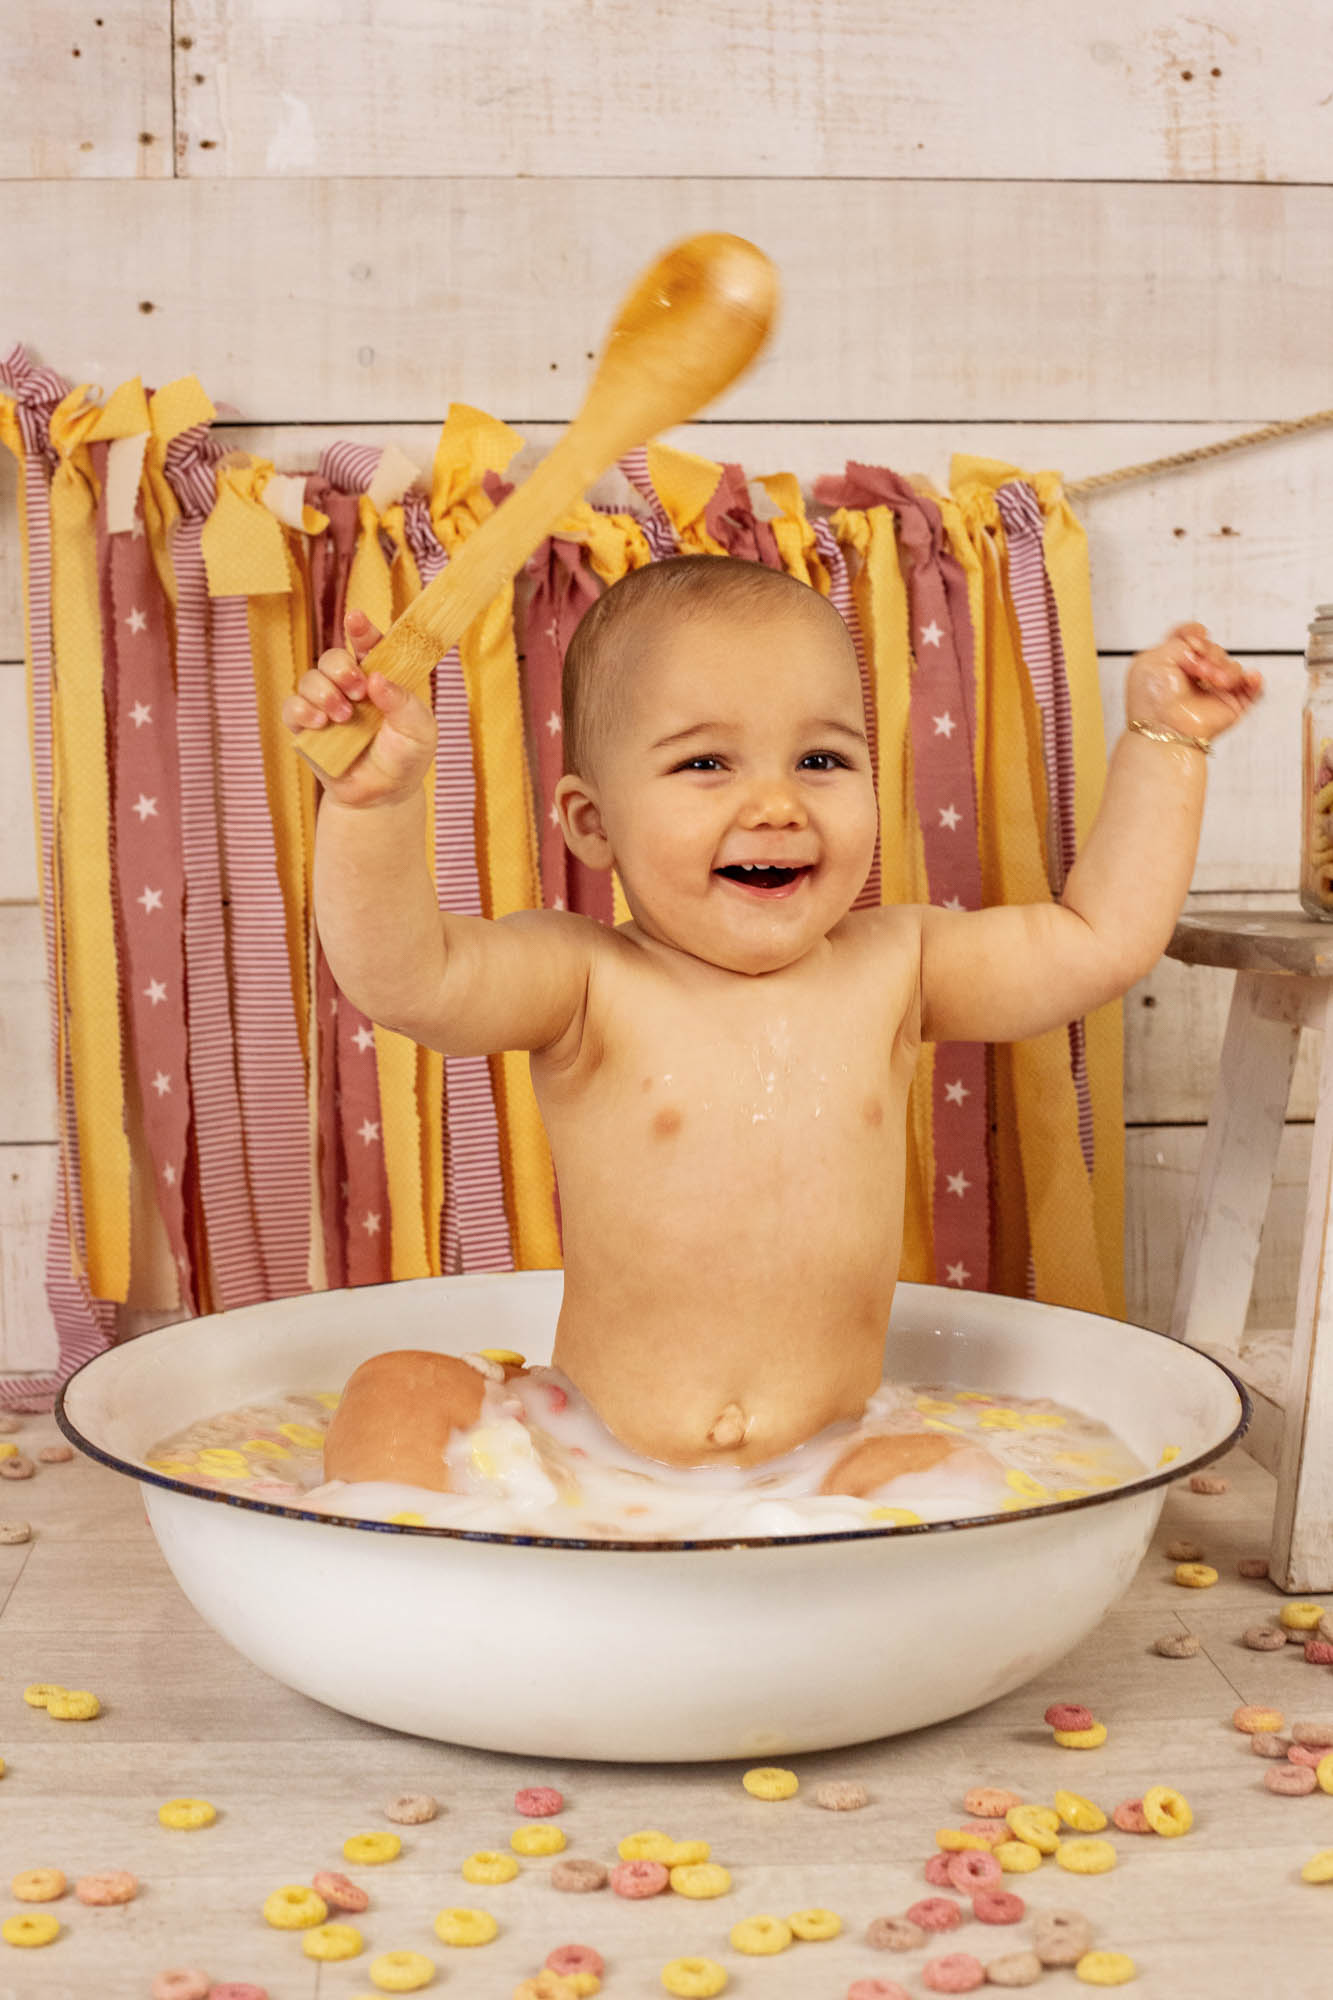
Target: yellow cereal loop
[
  {"x": 934, "y": 1406},
  {"x": 294, "y": 1908},
  {"x": 938, "y": 1424},
  {"x": 1081, "y": 1739},
  {"x": 815, "y": 1925},
  {"x": 901, "y": 1517},
  {"x": 407, "y": 1520},
  {"x": 1024, "y": 1483},
  {"x": 74, "y": 1705},
  {"x": 38, "y": 1693},
  {"x": 8, "y": 1450},
  {"x": 330, "y": 1398},
  {"x": 1071, "y": 1492},
  {"x": 224, "y": 1463},
  {"x": 1105, "y": 1968},
  {"x": 38, "y": 1885},
  {"x": 504, "y": 1357},
  {"x": 684, "y": 1853},
  {"x": 970, "y": 1396},
  {"x": 1170, "y": 1452},
  {"x": 544, "y": 1839},
  {"x": 1166, "y": 1811},
  {"x": 1037, "y": 1825},
  {"x": 2, "y": 1767},
  {"x": 998, "y": 1418},
  {"x": 1041, "y": 1420},
  {"x": 1300, "y": 1617},
  {"x": 694, "y": 1978},
  {"x": 401, "y": 1971},
  {"x": 1012, "y": 1503},
  {"x": 1196, "y": 1576},
  {"x": 332, "y": 1941},
  {"x": 465, "y": 1927},
  {"x": 262, "y": 1448},
  {"x": 1323, "y": 1770},
  {"x": 1085, "y": 1857},
  {"x": 1319, "y": 1868},
  {"x": 29, "y": 1931},
  {"x": 649, "y": 1845},
  {"x": 186, "y": 1814},
  {"x": 761, "y": 1937},
  {"x": 954, "y": 1840},
  {"x": 700, "y": 1880},
  {"x": 1080, "y": 1813},
  {"x": 488, "y": 1865},
  {"x": 372, "y": 1848},
  {"x": 304, "y": 1436},
  {"x": 766, "y": 1781},
  {"x": 1017, "y": 1857}
]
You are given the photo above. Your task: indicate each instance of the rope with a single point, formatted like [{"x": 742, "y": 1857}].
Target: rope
[{"x": 1075, "y": 489}]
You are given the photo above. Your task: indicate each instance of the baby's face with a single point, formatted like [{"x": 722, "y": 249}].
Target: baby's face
[{"x": 769, "y": 763}]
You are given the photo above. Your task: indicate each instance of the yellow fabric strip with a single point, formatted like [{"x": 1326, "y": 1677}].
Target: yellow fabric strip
[{"x": 81, "y": 806}]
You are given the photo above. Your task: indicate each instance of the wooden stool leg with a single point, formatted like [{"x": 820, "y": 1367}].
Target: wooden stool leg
[
  {"x": 1239, "y": 1161},
  {"x": 1301, "y": 1555}
]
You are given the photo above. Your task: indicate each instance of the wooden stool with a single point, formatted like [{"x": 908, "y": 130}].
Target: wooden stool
[{"x": 1284, "y": 981}]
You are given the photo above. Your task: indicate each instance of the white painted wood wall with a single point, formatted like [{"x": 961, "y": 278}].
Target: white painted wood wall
[{"x": 1008, "y": 229}]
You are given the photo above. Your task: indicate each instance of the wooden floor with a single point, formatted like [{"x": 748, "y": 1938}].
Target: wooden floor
[{"x": 1219, "y": 1915}]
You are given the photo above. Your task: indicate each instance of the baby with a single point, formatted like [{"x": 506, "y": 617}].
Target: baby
[{"x": 724, "y": 1078}]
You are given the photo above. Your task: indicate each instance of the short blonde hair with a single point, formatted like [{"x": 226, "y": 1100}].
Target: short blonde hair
[{"x": 594, "y": 685}]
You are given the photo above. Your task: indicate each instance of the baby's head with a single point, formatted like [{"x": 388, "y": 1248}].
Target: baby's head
[{"x": 713, "y": 716}]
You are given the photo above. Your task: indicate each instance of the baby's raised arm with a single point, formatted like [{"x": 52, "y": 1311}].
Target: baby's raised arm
[
  {"x": 1003, "y": 974},
  {"x": 464, "y": 985}
]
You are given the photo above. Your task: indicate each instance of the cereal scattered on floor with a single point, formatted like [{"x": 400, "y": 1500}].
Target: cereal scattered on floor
[
  {"x": 1264, "y": 1638},
  {"x": 1319, "y": 1868},
  {"x": 539, "y": 1802},
  {"x": 1301, "y": 1618},
  {"x": 339, "y": 1893},
  {"x": 294, "y": 1908},
  {"x": 815, "y": 1926},
  {"x": 1068, "y": 1715},
  {"x": 579, "y": 1877},
  {"x": 1209, "y": 1482},
  {"x": 989, "y": 1801},
  {"x": 1195, "y": 1576},
  {"x": 187, "y": 1814},
  {"x": 30, "y": 1932},
  {"x": 412, "y": 1809},
  {"x": 73, "y": 1705},
  {"x": 13, "y": 1532},
  {"x": 332, "y": 1942},
  {"x": 400, "y": 1971},
  {"x": 639, "y": 1879},
  {"x": 935, "y": 1913},
  {"x": 1255, "y": 1566},
  {"x": 1086, "y": 1857},
  {"x": 1177, "y": 1645},
  {"x": 1319, "y": 1735},
  {"x": 841, "y": 1795},
  {"x": 38, "y": 1885},
  {"x": 1166, "y": 1811},
  {"x": 694, "y": 1978},
  {"x": 761, "y": 1937},
  {"x": 894, "y": 1934},
  {"x": 700, "y": 1880},
  {"x": 111, "y": 1885},
  {"x": 1130, "y": 1817},
  {"x": 1250, "y": 1720},
  {"x": 543, "y": 1839},
  {"x": 1183, "y": 1552},
  {"x": 1265, "y": 1743},
  {"x": 998, "y": 1906},
  {"x": 1018, "y": 1857},
  {"x": 768, "y": 1782},
  {"x": 574, "y": 1958},
  {"x": 371, "y": 1849},
  {"x": 1060, "y": 1937},
  {"x": 56, "y": 1454},
  {"x": 1106, "y": 1968},
  {"x": 1016, "y": 1968},
  {"x": 462, "y": 1927},
  {"x": 1035, "y": 1826},
  {"x": 1292, "y": 1781},
  {"x": 17, "y": 1467},
  {"x": 181, "y": 1982},
  {"x": 486, "y": 1865}
]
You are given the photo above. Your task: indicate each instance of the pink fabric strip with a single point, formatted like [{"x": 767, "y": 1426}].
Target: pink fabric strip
[
  {"x": 942, "y": 724},
  {"x": 657, "y": 528},
  {"x": 149, "y": 866},
  {"x": 270, "y": 1066},
  {"x": 233, "y": 1242},
  {"x": 564, "y": 585},
  {"x": 1044, "y": 658},
  {"x": 84, "y": 1325},
  {"x": 475, "y": 1224},
  {"x": 353, "y": 1181},
  {"x": 840, "y": 595}
]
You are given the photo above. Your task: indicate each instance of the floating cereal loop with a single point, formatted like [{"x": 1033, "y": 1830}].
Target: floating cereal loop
[{"x": 761, "y": 1937}]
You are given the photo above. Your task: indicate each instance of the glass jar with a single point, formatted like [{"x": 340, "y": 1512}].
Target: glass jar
[{"x": 1316, "y": 889}]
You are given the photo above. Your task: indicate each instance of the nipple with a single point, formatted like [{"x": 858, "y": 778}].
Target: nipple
[{"x": 730, "y": 1428}]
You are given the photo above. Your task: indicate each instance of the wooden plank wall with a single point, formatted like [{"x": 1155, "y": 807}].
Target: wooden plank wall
[{"x": 1012, "y": 230}]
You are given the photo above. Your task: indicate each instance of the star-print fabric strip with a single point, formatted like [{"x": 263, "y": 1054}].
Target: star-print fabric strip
[
  {"x": 84, "y": 1325},
  {"x": 150, "y": 878},
  {"x": 562, "y": 586},
  {"x": 1044, "y": 658}
]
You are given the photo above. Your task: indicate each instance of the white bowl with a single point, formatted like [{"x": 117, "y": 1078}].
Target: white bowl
[{"x": 665, "y": 1651}]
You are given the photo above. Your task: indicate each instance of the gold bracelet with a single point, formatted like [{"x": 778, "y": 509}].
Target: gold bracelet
[{"x": 1160, "y": 733}]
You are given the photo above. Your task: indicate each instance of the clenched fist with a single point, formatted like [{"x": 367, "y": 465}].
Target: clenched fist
[{"x": 395, "y": 761}]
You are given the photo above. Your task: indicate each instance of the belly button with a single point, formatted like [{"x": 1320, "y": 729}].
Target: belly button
[
  {"x": 666, "y": 1121},
  {"x": 730, "y": 1428}
]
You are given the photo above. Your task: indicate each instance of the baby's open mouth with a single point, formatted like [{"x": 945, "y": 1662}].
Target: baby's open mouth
[{"x": 760, "y": 877}]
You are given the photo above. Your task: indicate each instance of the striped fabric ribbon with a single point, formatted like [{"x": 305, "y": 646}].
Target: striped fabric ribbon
[
  {"x": 150, "y": 884},
  {"x": 562, "y": 587},
  {"x": 84, "y": 1325},
  {"x": 1044, "y": 658},
  {"x": 474, "y": 1227},
  {"x": 840, "y": 595},
  {"x": 354, "y": 1191}
]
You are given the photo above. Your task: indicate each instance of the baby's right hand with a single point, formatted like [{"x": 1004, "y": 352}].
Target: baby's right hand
[{"x": 395, "y": 761}]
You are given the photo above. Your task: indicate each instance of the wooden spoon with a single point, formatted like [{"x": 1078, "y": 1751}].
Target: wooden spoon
[{"x": 694, "y": 320}]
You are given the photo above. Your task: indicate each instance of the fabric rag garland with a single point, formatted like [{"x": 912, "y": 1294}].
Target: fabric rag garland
[{"x": 231, "y": 1128}]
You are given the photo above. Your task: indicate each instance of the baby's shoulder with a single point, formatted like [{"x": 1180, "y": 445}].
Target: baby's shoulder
[{"x": 889, "y": 936}]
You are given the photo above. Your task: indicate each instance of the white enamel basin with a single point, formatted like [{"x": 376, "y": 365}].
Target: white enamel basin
[{"x": 666, "y": 1652}]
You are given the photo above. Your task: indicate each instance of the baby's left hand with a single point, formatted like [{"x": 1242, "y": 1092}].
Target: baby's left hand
[{"x": 1189, "y": 683}]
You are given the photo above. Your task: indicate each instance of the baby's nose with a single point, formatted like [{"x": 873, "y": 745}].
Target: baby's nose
[{"x": 775, "y": 802}]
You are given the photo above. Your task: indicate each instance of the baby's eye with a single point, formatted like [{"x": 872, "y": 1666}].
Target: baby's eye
[
  {"x": 828, "y": 760},
  {"x": 695, "y": 763}
]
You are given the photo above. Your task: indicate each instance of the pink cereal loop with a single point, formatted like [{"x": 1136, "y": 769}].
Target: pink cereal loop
[
  {"x": 538, "y": 1801},
  {"x": 338, "y": 1892},
  {"x": 877, "y": 1989},
  {"x": 181, "y": 1982},
  {"x": 935, "y": 1913},
  {"x": 1291, "y": 1781},
  {"x": 1069, "y": 1715},
  {"x": 957, "y": 1972},
  {"x": 973, "y": 1870},
  {"x": 567, "y": 1958},
  {"x": 1303, "y": 1753},
  {"x": 995, "y": 1831},
  {"x": 998, "y": 1906},
  {"x": 990, "y": 1802},
  {"x": 238, "y": 1989},
  {"x": 1131, "y": 1818},
  {"x": 113, "y": 1885},
  {"x": 639, "y": 1878},
  {"x": 937, "y": 1871}
]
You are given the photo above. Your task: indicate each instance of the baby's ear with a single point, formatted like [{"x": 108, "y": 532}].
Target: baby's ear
[{"x": 581, "y": 822}]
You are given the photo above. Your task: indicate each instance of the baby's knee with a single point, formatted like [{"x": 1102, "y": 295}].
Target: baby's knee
[
  {"x": 397, "y": 1415},
  {"x": 873, "y": 1461}
]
